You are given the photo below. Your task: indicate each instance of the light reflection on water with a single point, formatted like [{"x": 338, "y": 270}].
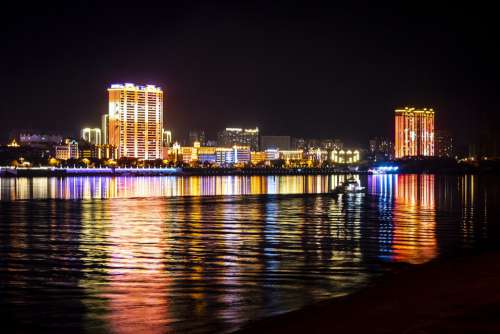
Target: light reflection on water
[
  {"x": 90, "y": 187},
  {"x": 150, "y": 260}
]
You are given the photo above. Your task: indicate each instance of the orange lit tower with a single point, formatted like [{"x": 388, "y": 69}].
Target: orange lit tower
[
  {"x": 136, "y": 120},
  {"x": 414, "y": 135}
]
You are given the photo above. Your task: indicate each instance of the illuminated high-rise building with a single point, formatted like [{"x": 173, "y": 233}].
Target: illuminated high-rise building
[
  {"x": 414, "y": 132},
  {"x": 136, "y": 120},
  {"x": 92, "y": 136}
]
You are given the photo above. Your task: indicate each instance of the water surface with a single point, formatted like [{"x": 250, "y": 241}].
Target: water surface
[{"x": 209, "y": 254}]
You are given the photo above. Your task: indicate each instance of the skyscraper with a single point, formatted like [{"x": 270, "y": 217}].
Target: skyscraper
[
  {"x": 414, "y": 132},
  {"x": 136, "y": 120}
]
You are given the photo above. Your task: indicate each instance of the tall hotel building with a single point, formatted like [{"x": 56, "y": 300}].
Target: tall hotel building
[
  {"x": 135, "y": 123},
  {"x": 414, "y": 134}
]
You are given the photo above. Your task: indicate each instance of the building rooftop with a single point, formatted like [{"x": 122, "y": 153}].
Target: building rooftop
[
  {"x": 131, "y": 86},
  {"x": 415, "y": 110}
]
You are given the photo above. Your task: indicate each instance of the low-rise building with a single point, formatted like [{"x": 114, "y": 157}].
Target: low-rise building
[
  {"x": 346, "y": 156},
  {"x": 257, "y": 157},
  {"x": 67, "y": 151},
  {"x": 206, "y": 154},
  {"x": 291, "y": 155},
  {"x": 272, "y": 154},
  {"x": 224, "y": 156}
]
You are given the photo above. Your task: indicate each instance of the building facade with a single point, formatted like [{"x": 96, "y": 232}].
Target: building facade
[
  {"x": 36, "y": 139},
  {"x": 92, "y": 136},
  {"x": 136, "y": 120},
  {"x": 196, "y": 136},
  {"x": 444, "y": 144},
  {"x": 224, "y": 156},
  {"x": 104, "y": 129},
  {"x": 345, "y": 156},
  {"x": 380, "y": 149},
  {"x": 414, "y": 132},
  {"x": 207, "y": 154},
  {"x": 291, "y": 155},
  {"x": 239, "y": 137},
  {"x": 167, "y": 138},
  {"x": 69, "y": 150},
  {"x": 257, "y": 157}
]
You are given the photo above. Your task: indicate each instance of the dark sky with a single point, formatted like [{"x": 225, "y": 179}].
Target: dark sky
[{"x": 288, "y": 67}]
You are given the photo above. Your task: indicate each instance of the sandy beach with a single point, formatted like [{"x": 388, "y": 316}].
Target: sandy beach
[{"x": 447, "y": 296}]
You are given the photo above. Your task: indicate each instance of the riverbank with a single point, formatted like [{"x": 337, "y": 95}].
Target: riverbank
[
  {"x": 119, "y": 171},
  {"x": 163, "y": 171},
  {"x": 447, "y": 296}
]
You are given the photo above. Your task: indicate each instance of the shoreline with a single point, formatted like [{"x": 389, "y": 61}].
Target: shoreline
[
  {"x": 63, "y": 172},
  {"x": 51, "y": 171},
  {"x": 459, "y": 295}
]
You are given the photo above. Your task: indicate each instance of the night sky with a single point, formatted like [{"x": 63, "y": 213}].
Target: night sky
[{"x": 291, "y": 68}]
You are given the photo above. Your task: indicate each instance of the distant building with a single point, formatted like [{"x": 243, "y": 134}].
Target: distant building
[
  {"x": 272, "y": 154},
  {"x": 444, "y": 144},
  {"x": 106, "y": 152},
  {"x": 167, "y": 138},
  {"x": 35, "y": 139},
  {"x": 104, "y": 129},
  {"x": 67, "y": 151},
  {"x": 189, "y": 154},
  {"x": 291, "y": 155},
  {"x": 279, "y": 142},
  {"x": 241, "y": 154},
  {"x": 380, "y": 149},
  {"x": 314, "y": 143},
  {"x": 224, "y": 156},
  {"x": 316, "y": 155},
  {"x": 211, "y": 143},
  {"x": 90, "y": 151},
  {"x": 298, "y": 144},
  {"x": 13, "y": 143},
  {"x": 92, "y": 136},
  {"x": 257, "y": 157},
  {"x": 136, "y": 120},
  {"x": 197, "y": 135},
  {"x": 327, "y": 144},
  {"x": 338, "y": 144},
  {"x": 206, "y": 154},
  {"x": 239, "y": 137},
  {"x": 345, "y": 156},
  {"x": 414, "y": 132}
]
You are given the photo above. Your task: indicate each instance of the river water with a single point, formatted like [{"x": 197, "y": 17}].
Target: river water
[{"x": 209, "y": 254}]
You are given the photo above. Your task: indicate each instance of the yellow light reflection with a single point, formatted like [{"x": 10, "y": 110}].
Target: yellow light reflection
[{"x": 414, "y": 231}]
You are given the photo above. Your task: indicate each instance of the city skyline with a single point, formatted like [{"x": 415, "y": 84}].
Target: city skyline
[
  {"x": 339, "y": 71},
  {"x": 134, "y": 128},
  {"x": 249, "y": 167},
  {"x": 135, "y": 124}
]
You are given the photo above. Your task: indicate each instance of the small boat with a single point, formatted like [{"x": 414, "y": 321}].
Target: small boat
[{"x": 349, "y": 186}]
